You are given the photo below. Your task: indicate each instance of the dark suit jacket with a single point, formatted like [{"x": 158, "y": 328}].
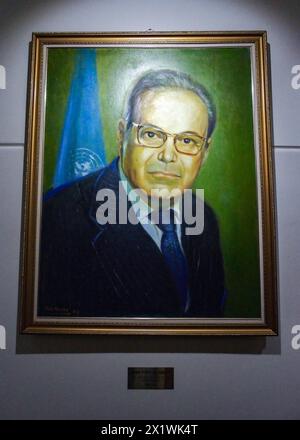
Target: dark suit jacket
[{"x": 116, "y": 269}]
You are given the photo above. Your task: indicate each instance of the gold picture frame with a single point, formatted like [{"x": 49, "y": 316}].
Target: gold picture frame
[{"x": 249, "y": 263}]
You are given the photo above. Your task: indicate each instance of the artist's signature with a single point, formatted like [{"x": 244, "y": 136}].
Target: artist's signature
[{"x": 61, "y": 310}]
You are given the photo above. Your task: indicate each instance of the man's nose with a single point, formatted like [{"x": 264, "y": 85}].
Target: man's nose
[{"x": 168, "y": 152}]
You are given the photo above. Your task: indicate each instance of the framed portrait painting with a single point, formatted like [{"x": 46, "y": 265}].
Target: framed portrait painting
[{"x": 148, "y": 195}]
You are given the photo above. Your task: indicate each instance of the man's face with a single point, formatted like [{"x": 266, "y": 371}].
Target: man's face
[{"x": 173, "y": 111}]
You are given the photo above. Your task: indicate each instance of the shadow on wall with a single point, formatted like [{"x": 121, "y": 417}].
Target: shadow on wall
[{"x": 41, "y": 344}]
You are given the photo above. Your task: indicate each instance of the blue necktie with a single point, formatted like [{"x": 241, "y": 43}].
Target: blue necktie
[{"x": 174, "y": 257}]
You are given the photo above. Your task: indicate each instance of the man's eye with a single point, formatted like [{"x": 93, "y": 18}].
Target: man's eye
[
  {"x": 187, "y": 140},
  {"x": 150, "y": 134}
]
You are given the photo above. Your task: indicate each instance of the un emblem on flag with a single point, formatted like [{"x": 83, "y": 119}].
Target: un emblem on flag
[{"x": 85, "y": 162}]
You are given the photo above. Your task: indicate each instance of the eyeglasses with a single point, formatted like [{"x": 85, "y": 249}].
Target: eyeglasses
[{"x": 153, "y": 137}]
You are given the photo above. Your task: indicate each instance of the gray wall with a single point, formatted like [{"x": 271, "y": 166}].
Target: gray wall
[{"x": 86, "y": 377}]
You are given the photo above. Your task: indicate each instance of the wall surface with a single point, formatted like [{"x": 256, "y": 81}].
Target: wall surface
[{"x": 59, "y": 377}]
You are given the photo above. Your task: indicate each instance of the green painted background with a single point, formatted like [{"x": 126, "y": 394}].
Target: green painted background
[{"x": 228, "y": 176}]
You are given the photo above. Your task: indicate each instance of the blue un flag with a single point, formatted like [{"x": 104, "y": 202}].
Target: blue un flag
[{"x": 81, "y": 148}]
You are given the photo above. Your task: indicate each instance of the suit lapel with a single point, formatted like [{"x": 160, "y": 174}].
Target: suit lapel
[{"x": 134, "y": 265}]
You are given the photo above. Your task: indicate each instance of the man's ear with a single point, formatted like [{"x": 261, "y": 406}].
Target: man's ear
[{"x": 121, "y": 135}]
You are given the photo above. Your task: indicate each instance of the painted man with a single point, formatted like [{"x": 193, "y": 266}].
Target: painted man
[{"x": 141, "y": 265}]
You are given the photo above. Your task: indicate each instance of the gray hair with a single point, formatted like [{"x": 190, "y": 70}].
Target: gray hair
[{"x": 162, "y": 79}]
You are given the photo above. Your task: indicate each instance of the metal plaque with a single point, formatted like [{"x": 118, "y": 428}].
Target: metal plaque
[{"x": 150, "y": 378}]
